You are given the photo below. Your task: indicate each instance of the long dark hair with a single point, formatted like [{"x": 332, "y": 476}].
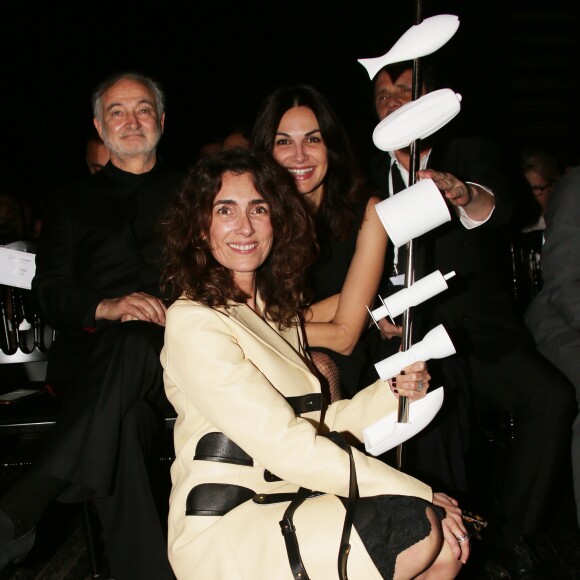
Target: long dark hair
[
  {"x": 344, "y": 184},
  {"x": 190, "y": 269}
]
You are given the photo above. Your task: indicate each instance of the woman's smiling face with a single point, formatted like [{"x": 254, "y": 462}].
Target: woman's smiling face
[
  {"x": 299, "y": 147},
  {"x": 241, "y": 234}
]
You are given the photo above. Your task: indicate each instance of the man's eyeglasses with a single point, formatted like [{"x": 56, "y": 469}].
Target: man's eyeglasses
[{"x": 541, "y": 188}]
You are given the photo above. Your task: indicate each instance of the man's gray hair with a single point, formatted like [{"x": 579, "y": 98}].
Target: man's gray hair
[{"x": 153, "y": 86}]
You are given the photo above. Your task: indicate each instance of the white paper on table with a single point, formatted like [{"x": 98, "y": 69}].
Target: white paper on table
[
  {"x": 387, "y": 433},
  {"x": 17, "y": 265}
]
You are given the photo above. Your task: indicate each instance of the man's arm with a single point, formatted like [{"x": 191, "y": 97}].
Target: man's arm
[
  {"x": 475, "y": 162},
  {"x": 59, "y": 299}
]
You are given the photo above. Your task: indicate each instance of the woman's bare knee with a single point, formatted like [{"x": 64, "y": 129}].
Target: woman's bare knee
[
  {"x": 444, "y": 565},
  {"x": 420, "y": 556}
]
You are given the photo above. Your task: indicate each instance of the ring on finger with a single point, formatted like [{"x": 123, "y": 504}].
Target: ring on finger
[
  {"x": 420, "y": 386},
  {"x": 462, "y": 538}
]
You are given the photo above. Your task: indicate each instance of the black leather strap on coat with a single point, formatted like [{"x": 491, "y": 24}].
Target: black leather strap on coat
[
  {"x": 268, "y": 498},
  {"x": 217, "y": 447},
  {"x": 289, "y": 531},
  {"x": 216, "y": 499},
  {"x": 350, "y": 508},
  {"x": 305, "y": 403},
  {"x": 270, "y": 477}
]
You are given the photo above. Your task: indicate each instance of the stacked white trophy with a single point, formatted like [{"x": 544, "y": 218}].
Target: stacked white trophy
[{"x": 411, "y": 213}]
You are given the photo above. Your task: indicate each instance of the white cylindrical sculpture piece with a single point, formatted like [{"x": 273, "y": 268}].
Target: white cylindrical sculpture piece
[
  {"x": 413, "y": 212},
  {"x": 435, "y": 344},
  {"x": 416, "y": 120},
  {"x": 416, "y": 294}
]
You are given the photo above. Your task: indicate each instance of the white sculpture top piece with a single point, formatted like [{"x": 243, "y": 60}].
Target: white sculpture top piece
[{"x": 420, "y": 40}]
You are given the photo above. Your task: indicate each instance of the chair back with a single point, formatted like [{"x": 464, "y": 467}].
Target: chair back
[{"x": 24, "y": 337}]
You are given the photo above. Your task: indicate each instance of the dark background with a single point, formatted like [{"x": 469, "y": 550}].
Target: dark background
[{"x": 218, "y": 60}]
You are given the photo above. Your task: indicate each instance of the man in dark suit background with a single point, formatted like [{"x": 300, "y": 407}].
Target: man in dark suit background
[
  {"x": 554, "y": 314},
  {"x": 97, "y": 284},
  {"x": 496, "y": 361}
]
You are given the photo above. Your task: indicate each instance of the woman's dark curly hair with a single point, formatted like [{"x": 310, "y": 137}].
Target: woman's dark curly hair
[
  {"x": 191, "y": 271},
  {"x": 344, "y": 183}
]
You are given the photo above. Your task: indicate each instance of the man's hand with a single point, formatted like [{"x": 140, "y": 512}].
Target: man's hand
[
  {"x": 456, "y": 191},
  {"x": 134, "y": 306},
  {"x": 476, "y": 201},
  {"x": 389, "y": 330}
]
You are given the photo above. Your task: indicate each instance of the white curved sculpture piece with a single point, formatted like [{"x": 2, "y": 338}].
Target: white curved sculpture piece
[
  {"x": 416, "y": 120},
  {"x": 420, "y": 40},
  {"x": 387, "y": 433}
]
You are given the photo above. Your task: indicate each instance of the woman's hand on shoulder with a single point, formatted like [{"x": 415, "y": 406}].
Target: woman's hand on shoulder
[{"x": 413, "y": 382}]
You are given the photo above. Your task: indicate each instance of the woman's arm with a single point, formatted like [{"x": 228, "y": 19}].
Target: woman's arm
[
  {"x": 323, "y": 310},
  {"x": 342, "y": 331}
]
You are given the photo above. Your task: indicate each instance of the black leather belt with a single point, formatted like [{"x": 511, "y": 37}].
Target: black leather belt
[
  {"x": 267, "y": 498},
  {"x": 216, "y": 499},
  {"x": 217, "y": 447},
  {"x": 305, "y": 403}
]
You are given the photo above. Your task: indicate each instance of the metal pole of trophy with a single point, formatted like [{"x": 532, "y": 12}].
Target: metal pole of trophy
[{"x": 407, "y": 322}]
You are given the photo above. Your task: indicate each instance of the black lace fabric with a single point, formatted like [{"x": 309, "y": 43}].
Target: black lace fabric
[{"x": 389, "y": 524}]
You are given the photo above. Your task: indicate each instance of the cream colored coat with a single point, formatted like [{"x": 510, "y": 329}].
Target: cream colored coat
[{"x": 230, "y": 372}]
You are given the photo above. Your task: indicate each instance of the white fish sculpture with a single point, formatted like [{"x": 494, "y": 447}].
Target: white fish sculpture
[{"x": 420, "y": 40}]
